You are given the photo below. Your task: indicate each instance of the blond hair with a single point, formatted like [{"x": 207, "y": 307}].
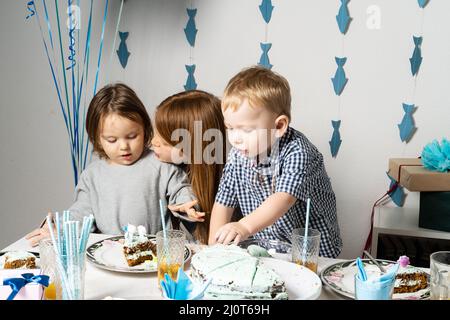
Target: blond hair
[{"x": 261, "y": 87}]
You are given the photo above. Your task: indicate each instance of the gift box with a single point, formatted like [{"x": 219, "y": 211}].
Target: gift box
[
  {"x": 434, "y": 211},
  {"x": 411, "y": 174},
  {"x": 28, "y": 281}
]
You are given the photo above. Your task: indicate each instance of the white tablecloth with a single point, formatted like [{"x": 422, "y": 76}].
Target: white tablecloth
[{"x": 102, "y": 283}]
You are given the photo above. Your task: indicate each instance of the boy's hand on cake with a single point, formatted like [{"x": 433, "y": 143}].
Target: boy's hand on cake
[
  {"x": 189, "y": 209},
  {"x": 38, "y": 234},
  {"x": 232, "y": 231}
]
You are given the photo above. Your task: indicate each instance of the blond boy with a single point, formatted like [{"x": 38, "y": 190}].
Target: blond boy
[{"x": 272, "y": 168}]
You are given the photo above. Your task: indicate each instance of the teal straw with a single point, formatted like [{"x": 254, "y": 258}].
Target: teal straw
[
  {"x": 162, "y": 209},
  {"x": 305, "y": 238}
]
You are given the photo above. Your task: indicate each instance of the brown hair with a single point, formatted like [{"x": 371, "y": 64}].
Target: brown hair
[
  {"x": 261, "y": 87},
  {"x": 122, "y": 100},
  {"x": 180, "y": 111}
]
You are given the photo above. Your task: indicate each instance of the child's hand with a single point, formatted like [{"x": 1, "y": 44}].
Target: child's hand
[
  {"x": 38, "y": 234},
  {"x": 232, "y": 231},
  {"x": 189, "y": 210}
]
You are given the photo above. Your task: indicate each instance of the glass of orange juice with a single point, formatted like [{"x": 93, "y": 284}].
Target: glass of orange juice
[
  {"x": 306, "y": 252},
  {"x": 170, "y": 253},
  {"x": 47, "y": 263}
]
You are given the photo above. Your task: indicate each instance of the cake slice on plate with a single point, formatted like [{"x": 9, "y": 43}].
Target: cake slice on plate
[
  {"x": 137, "y": 247},
  {"x": 19, "y": 260}
]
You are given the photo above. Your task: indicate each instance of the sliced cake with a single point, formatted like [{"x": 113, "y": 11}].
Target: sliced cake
[
  {"x": 19, "y": 260},
  {"x": 235, "y": 274},
  {"x": 137, "y": 248}
]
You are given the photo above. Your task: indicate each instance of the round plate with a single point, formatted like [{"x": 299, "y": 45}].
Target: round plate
[
  {"x": 340, "y": 278},
  {"x": 301, "y": 283},
  {"x": 108, "y": 254},
  {"x": 36, "y": 254}
]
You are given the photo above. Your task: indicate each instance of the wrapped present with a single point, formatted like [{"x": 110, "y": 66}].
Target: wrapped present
[
  {"x": 411, "y": 174},
  {"x": 22, "y": 284}
]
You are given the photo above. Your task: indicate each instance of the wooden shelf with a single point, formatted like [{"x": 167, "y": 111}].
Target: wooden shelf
[{"x": 401, "y": 221}]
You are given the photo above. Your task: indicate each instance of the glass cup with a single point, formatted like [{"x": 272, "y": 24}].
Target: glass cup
[
  {"x": 440, "y": 275},
  {"x": 368, "y": 290},
  {"x": 306, "y": 255},
  {"x": 47, "y": 264},
  {"x": 170, "y": 253},
  {"x": 75, "y": 273}
]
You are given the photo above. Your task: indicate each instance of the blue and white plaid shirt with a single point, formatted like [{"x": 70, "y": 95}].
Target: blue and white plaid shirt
[{"x": 295, "y": 167}]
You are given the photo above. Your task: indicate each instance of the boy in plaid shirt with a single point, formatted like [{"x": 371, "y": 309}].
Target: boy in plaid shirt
[{"x": 271, "y": 170}]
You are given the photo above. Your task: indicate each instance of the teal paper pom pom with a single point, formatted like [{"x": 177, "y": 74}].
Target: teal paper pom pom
[{"x": 437, "y": 157}]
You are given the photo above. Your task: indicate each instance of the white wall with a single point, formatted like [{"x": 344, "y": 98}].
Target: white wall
[{"x": 35, "y": 170}]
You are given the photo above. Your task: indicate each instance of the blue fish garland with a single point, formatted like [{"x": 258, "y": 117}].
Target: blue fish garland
[
  {"x": 339, "y": 80},
  {"x": 190, "y": 81},
  {"x": 266, "y": 9},
  {"x": 335, "y": 142},
  {"x": 30, "y": 8},
  {"x": 416, "y": 58},
  {"x": 397, "y": 195},
  {"x": 123, "y": 52},
  {"x": 264, "y": 60},
  {"x": 407, "y": 127},
  {"x": 191, "y": 30},
  {"x": 343, "y": 18},
  {"x": 422, "y": 3}
]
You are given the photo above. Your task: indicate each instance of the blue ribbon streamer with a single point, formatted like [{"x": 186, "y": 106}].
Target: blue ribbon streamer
[
  {"x": 101, "y": 46},
  {"x": 31, "y": 8},
  {"x": 18, "y": 283}
]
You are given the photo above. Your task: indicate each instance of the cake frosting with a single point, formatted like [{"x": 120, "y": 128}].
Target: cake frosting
[
  {"x": 18, "y": 260},
  {"x": 137, "y": 248},
  {"x": 236, "y": 274}
]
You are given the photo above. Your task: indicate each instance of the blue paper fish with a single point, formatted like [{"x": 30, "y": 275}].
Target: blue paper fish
[
  {"x": 266, "y": 9},
  {"x": 339, "y": 79},
  {"x": 335, "y": 141},
  {"x": 406, "y": 127},
  {"x": 264, "y": 60},
  {"x": 123, "y": 52},
  {"x": 343, "y": 18},
  {"x": 191, "y": 30},
  {"x": 416, "y": 58},
  {"x": 398, "y": 195},
  {"x": 190, "y": 81},
  {"x": 422, "y": 3}
]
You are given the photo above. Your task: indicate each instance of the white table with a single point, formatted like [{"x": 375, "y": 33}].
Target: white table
[{"x": 102, "y": 283}]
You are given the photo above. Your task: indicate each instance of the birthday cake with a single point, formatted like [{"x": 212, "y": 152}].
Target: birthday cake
[
  {"x": 18, "y": 260},
  {"x": 137, "y": 248},
  {"x": 236, "y": 274},
  {"x": 410, "y": 280}
]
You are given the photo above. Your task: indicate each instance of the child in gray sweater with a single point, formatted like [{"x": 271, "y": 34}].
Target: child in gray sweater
[{"x": 127, "y": 181}]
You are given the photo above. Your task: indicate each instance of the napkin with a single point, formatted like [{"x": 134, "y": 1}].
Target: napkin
[{"x": 183, "y": 288}]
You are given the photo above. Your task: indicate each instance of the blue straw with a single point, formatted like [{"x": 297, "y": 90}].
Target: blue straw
[{"x": 305, "y": 238}]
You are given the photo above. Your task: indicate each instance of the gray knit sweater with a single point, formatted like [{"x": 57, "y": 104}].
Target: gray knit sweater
[{"x": 117, "y": 195}]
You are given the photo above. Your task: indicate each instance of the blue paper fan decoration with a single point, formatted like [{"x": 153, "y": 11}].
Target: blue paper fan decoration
[
  {"x": 437, "y": 157},
  {"x": 335, "y": 141},
  {"x": 339, "y": 80},
  {"x": 406, "y": 127},
  {"x": 266, "y": 9},
  {"x": 343, "y": 18}
]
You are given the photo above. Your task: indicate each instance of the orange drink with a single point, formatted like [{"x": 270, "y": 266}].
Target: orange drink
[
  {"x": 308, "y": 264},
  {"x": 170, "y": 269}
]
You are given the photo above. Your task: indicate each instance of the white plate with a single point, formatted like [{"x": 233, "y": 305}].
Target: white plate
[
  {"x": 340, "y": 277},
  {"x": 108, "y": 254},
  {"x": 301, "y": 283}
]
